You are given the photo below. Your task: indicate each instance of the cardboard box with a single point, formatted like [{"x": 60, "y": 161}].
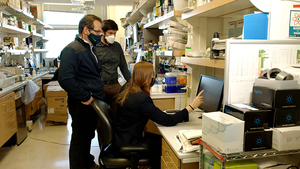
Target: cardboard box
[
  {"x": 52, "y": 83},
  {"x": 239, "y": 27},
  {"x": 57, "y": 118},
  {"x": 256, "y": 26},
  {"x": 33, "y": 10},
  {"x": 21, "y": 25},
  {"x": 57, "y": 105},
  {"x": 231, "y": 29},
  {"x": 56, "y": 100},
  {"x": 275, "y": 99},
  {"x": 258, "y": 140},
  {"x": 55, "y": 91},
  {"x": 286, "y": 117},
  {"x": 240, "y": 164},
  {"x": 223, "y": 132},
  {"x": 287, "y": 138},
  {"x": 255, "y": 118}
]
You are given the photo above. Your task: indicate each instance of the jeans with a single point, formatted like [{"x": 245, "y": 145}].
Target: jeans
[{"x": 84, "y": 123}]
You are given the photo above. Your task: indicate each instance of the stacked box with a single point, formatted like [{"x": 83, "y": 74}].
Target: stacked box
[
  {"x": 56, "y": 104},
  {"x": 284, "y": 103},
  {"x": 256, "y": 121}
]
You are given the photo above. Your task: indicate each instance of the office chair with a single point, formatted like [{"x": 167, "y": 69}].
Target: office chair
[{"x": 110, "y": 156}]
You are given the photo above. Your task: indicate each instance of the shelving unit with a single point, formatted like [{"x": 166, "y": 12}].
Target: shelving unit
[
  {"x": 221, "y": 8},
  {"x": 204, "y": 62},
  {"x": 143, "y": 9},
  {"x": 13, "y": 31},
  {"x": 159, "y": 22},
  {"x": 242, "y": 155}
]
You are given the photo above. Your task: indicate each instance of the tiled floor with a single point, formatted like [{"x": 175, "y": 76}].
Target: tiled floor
[{"x": 46, "y": 147}]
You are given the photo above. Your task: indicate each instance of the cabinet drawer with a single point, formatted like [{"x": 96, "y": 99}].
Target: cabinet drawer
[
  {"x": 163, "y": 164},
  {"x": 6, "y": 105},
  {"x": 9, "y": 113},
  {"x": 168, "y": 161},
  {"x": 10, "y": 122},
  {"x": 170, "y": 152},
  {"x": 6, "y": 97},
  {"x": 11, "y": 131}
]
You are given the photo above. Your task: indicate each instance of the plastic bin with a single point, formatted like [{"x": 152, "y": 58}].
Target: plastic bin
[
  {"x": 171, "y": 88},
  {"x": 179, "y": 88},
  {"x": 7, "y": 82}
]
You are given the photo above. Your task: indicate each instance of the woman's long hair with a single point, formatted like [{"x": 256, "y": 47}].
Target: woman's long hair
[{"x": 140, "y": 81}]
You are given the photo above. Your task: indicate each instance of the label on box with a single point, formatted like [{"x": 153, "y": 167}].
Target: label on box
[{"x": 50, "y": 110}]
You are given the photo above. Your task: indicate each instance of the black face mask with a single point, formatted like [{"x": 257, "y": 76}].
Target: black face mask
[{"x": 152, "y": 82}]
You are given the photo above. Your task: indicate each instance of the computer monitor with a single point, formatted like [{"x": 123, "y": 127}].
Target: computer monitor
[{"x": 213, "y": 93}]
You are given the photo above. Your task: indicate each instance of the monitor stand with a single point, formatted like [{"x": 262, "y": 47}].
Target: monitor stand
[{"x": 200, "y": 111}]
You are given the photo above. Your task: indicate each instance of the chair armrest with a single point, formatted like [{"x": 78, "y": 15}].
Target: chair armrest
[{"x": 134, "y": 148}]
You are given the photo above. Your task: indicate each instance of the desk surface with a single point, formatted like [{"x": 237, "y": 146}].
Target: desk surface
[{"x": 169, "y": 134}]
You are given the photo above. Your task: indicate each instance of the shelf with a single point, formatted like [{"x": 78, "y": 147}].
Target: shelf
[
  {"x": 18, "y": 52},
  {"x": 204, "y": 62},
  {"x": 143, "y": 9},
  {"x": 40, "y": 50},
  {"x": 247, "y": 155},
  {"x": 13, "y": 30},
  {"x": 163, "y": 19},
  {"x": 9, "y": 9},
  {"x": 41, "y": 23},
  {"x": 221, "y": 8},
  {"x": 124, "y": 25},
  {"x": 36, "y": 35}
]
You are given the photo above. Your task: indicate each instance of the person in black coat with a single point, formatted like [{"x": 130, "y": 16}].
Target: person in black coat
[{"x": 135, "y": 107}]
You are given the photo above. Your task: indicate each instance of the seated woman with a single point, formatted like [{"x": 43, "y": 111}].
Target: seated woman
[{"x": 135, "y": 107}]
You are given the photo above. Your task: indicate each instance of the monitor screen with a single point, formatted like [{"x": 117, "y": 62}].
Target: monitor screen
[{"x": 213, "y": 93}]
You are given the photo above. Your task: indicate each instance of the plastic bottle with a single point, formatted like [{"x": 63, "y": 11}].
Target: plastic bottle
[
  {"x": 189, "y": 45},
  {"x": 33, "y": 73}
]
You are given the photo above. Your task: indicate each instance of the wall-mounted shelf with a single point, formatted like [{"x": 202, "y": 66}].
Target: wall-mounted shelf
[
  {"x": 143, "y": 9},
  {"x": 36, "y": 35},
  {"x": 18, "y": 52},
  {"x": 12, "y": 30},
  {"x": 41, "y": 24},
  {"x": 124, "y": 25},
  {"x": 221, "y": 8},
  {"x": 203, "y": 62},
  {"x": 164, "y": 19},
  {"x": 40, "y": 50},
  {"x": 170, "y": 53},
  {"x": 9, "y": 9}
]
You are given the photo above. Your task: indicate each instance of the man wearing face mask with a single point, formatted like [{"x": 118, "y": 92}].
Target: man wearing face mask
[
  {"x": 80, "y": 76},
  {"x": 111, "y": 56}
]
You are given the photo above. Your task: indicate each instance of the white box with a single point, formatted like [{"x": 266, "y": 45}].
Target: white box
[
  {"x": 277, "y": 84},
  {"x": 287, "y": 138},
  {"x": 223, "y": 132}
]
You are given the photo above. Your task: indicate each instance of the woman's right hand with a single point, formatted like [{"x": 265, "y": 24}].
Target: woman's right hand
[{"x": 198, "y": 100}]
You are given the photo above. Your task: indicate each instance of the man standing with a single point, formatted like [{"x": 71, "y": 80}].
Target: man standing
[
  {"x": 80, "y": 76},
  {"x": 111, "y": 56}
]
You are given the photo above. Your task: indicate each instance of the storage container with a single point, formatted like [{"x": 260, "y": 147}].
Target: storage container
[{"x": 7, "y": 82}]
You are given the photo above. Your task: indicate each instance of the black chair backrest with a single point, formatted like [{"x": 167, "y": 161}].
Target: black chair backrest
[{"x": 105, "y": 115}]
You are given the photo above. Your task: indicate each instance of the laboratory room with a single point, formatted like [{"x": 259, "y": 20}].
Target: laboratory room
[{"x": 150, "y": 84}]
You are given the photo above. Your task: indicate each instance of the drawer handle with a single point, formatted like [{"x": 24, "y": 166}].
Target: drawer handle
[
  {"x": 12, "y": 120},
  {"x": 14, "y": 129},
  {"x": 166, "y": 160},
  {"x": 12, "y": 101},
  {"x": 167, "y": 151},
  {"x": 4, "y": 105}
]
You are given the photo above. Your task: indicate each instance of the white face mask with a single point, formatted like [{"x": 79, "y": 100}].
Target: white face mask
[{"x": 110, "y": 39}]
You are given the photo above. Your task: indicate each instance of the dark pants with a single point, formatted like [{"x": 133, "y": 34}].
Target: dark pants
[
  {"x": 84, "y": 123},
  {"x": 154, "y": 142},
  {"x": 111, "y": 93}
]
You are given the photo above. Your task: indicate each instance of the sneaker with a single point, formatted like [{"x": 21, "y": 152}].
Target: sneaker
[{"x": 95, "y": 166}]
